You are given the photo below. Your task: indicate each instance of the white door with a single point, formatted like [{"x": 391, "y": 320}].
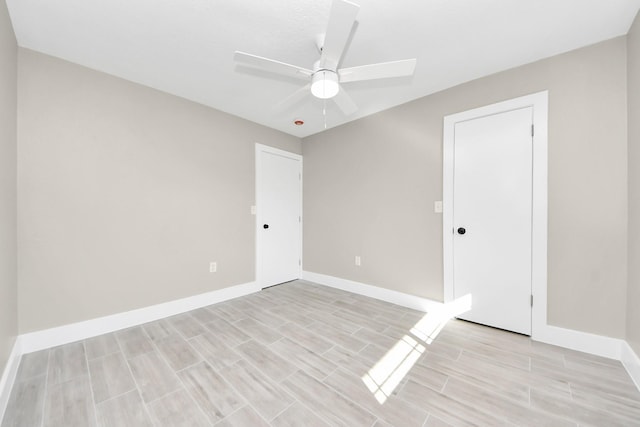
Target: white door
[
  {"x": 279, "y": 215},
  {"x": 492, "y": 218}
]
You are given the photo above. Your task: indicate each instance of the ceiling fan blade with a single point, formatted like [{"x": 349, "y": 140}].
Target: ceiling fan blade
[
  {"x": 271, "y": 65},
  {"x": 381, "y": 70},
  {"x": 293, "y": 99},
  {"x": 341, "y": 19},
  {"x": 344, "y": 102}
]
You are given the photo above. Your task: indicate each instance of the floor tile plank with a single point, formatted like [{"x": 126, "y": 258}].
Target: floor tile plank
[
  {"x": 66, "y": 363},
  {"x": 264, "y": 395},
  {"x": 186, "y": 325},
  {"x": 297, "y": 415},
  {"x": 159, "y": 329},
  {"x": 312, "y": 363},
  {"x": 327, "y": 402},
  {"x": 492, "y": 403},
  {"x": 133, "y": 333},
  {"x": 137, "y": 346},
  {"x": 446, "y": 408},
  {"x": 126, "y": 410},
  {"x": 70, "y": 404},
  {"x": 177, "y": 410},
  {"x": 26, "y": 404},
  {"x": 270, "y": 319},
  {"x": 305, "y": 337},
  {"x": 337, "y": 336},
  {"x": 153, "y": 376},
  {"x": 577, "y": 413},
  {"x": 177, "y": 351},
  {"x": 110, "y": 377},
  {"x": 243, "y": 417},
  {"x": 203, "y": 315},
  {"x": 33, "y": 365},
  {"x": 212, "y": 393},
  {"x": 227, "y": 333},
  {"x": 101, "y": 346},
  {"x": 216, "y": 352},
  {"x": 258, "y": 331},
  {"x": 274, "y": 366}
]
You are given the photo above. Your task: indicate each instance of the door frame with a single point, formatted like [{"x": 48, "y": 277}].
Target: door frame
[
  {"x": 260, "y": 148},
  {"x": 539, "y": 102}
]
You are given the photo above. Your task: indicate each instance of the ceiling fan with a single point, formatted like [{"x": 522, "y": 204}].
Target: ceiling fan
[{"x": 325, "y": 78}]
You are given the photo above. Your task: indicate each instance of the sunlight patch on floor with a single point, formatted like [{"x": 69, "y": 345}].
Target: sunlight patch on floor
[{"x": 383, "y": 378}]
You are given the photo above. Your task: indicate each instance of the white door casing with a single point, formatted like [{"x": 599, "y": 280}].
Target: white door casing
[
  {"x": 492, "y": 218},
  {"x": 538, "y": 241},
  {"x": 278, "y": 216}
]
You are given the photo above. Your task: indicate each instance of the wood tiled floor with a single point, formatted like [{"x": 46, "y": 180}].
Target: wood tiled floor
[{"x": 300, "y": 354}]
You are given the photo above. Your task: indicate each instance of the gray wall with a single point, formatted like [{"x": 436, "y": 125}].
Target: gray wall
[
  {"x": 8, "y": 100},
  {"x": 370, "y": 186},
  {"x": 633, "y": 99},
  {"x": 126, "y": 194}
]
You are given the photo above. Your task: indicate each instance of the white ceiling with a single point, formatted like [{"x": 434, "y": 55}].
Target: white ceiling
[{"x": 185, "y": 47}]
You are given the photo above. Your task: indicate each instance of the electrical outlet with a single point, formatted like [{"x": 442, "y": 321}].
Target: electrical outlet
[
  {"x": 213, "y": 267},
  {"x": 357, "y": 260}
]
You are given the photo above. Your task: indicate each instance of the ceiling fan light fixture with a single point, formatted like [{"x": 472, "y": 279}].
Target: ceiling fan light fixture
[{"x": 324, "y": 84}]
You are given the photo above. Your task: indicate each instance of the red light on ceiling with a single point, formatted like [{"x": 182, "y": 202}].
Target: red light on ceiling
[{"x": 298, "y": 122}]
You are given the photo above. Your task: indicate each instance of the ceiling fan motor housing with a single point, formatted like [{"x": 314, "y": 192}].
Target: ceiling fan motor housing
[{"x": 324, "y": 84}]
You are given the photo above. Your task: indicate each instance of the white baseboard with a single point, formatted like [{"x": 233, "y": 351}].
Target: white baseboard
[
  {"x": 395, "y": 297},
  {"x": 48, "y": 338},
  {"x": 9, "y": 376},
  {"x": 631, "y": 362},
  {"x": 598, "y": 345}
]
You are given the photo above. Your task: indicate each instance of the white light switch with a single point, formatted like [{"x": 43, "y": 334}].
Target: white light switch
[
  {"x": 437, "y": 206},
  {"x": 253, "y": 210},
  {"x": 358, "y": 261},
  {"x": 213, "y": 267}
]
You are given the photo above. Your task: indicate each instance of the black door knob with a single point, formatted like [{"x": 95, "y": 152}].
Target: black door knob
[
  {"x": 265, "y": 226},
  {"x": 461, "y": 230}
]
